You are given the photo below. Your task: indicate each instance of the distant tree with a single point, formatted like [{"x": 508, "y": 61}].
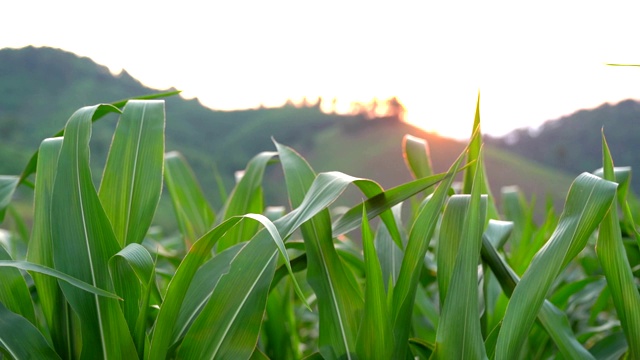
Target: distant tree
[{"x": 395, "y": 109}]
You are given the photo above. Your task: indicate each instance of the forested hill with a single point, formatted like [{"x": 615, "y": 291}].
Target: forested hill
[
  {"x": 41, "y": 87},
  {"x": 574, "y": 142}
]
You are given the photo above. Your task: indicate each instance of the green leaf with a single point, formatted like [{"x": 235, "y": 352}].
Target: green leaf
[
  {"x": 246, "y": 198},
  {"x": 21, "y": 339},
  {"x": 33, "y": 161},
  {"x": 201, "y": 288},
  {"x": 376, "y": 204},
  {"x": 553, "y": 319},
  {"x": 587, "y": 203},
  {"x": 83, "y": 243},
  {"x": 53, "y": 273},
  {"x": 230, "y": 292},
  {"x": 14, "y": 293},
  {"x": 132, "y": 178},
  {"x": 339, "y": 298},
  {"x": 459, "y": 333},
  {"x": 8, "y": 185},
  {"x": 54, "y": 306},
  {"x": 417, "y": 156},
  {"x": 193, "y": 212},
  {"x": 389, "y": 254},
  {"x": 375, "y": 340},
  {"x": 132, "y": 271},
  {"x": 419, "y": 237},
  {"x": 615, "y": 264}
]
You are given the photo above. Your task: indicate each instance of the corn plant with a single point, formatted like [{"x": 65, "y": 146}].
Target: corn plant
[{"x": 446, "y": 276}]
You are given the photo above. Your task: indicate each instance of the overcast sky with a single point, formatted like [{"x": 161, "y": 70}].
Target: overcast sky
[{"x": 531, "y": 62}]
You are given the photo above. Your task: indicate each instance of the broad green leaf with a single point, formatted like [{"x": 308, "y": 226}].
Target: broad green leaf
[
  {"x": 236, "y": 307},
  {"x": 339, "y": 297},
  {"x": 417, "y": 156},
  {"x": 389, "y": 253},
  {"x": 132, "y": 178},
  {"x": 21, "y": 339},
  {"x": 33, "y": 161},
  {"x": 246, "y": 198},
  {"x": 201, "y": 288},
  {"x": 249, "y": 261},
  {"x": 132, "y": 271},
  {"x": 459, "y": 333},
  {"x": 53, "y": 273},
  {"x": 375, "y": 340},
  {"x": 54, "y": 306},
  {"x": 615, "y": 264},
  {"x": 8, "y": 185},
  {"x": 193, "y": 212},
  {"x": 587, "y": 203},
  {"x": 83, "y": 243},
  {"x": 386, "y": 200},
  {"x": 612, "y": 347},
  {"x": 179, "y": 285},
  {"x": 553, "y": 319},
  {"x": 419, "y": 237},
  {"x": 14, "y": 293}
]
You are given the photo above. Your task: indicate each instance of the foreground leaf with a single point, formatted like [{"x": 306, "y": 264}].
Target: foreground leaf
[
  {"x": 404, "y": 292},
  {"x": 587, "y": 203},
  {"x": 83, "y": 243},
  {"x": 132, "y": 178},
  {"x": 615, "y": 264},
  {"x": 193, "y": 212},
  {"x": 339, "y": 298},
  {"x": 21, "y": 339},
  {"x": 52, "y": 302}
]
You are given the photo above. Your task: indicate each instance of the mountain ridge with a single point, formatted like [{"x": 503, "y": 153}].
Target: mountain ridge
[{"x": 38, "y": 87}]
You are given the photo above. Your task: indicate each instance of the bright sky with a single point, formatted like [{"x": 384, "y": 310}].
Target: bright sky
[{"x": 531, "y": 63}]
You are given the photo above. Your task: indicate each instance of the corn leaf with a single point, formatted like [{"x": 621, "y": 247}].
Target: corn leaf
[
  {"x": 21, "y": 339},
  {"x": 246, "y": 198},
  {"x": 31, "y": 166},
  {"x": 8, "y": 185},
  {"x": 339, "y": 298},
  {"x": 55, "y": 274},
  {"x": 132, "y": 178},
  {"x": 376, "y": 204},
  {"x": 132, "y": 271},
  {"x": 615, "y": 264},
  {"x": 83, "y": 243},
  {"x": 52, "y": 302},
  {"x": 587, "y": 203},
  {"x": 459, "y": 333},
  {"x": 389, "y": 254},
  {"x": 14, "y": 293},
  {"x": 412, "y": 263},
  {"x": 417, "y": 156},
  {"x": 202, "y": 286},
  {"x": 473, "y": 154},
  {"x": 553, "y": 319},
  {"x": 193, "y": 212},
  {"x": 179, "y": 285},
  {"x": 375, "y": 340}
]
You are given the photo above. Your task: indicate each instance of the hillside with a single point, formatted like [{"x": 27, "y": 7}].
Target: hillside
[
  {"x": 574, "y": 142},
  {"x": 41, "y": 87}
]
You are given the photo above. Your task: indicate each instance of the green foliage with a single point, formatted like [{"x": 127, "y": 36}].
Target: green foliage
[{"x": 98, "y": 281}]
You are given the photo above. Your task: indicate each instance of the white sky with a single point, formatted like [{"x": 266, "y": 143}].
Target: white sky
[{"x": 531, "y": 63}]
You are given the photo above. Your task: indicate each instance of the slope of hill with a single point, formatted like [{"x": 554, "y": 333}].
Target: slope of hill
[
  {"x": 574, "y": 142},
  {"x": 41, "y": 87}
]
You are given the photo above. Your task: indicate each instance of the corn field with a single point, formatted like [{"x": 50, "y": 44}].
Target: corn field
[{"x": 416, "y": 271}]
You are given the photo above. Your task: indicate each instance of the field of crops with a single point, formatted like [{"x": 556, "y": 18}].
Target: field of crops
[{"x": 433, "y": 268}]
